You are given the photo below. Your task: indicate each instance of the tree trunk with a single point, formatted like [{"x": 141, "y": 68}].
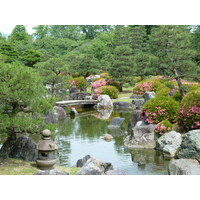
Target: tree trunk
[
  {"x": 120, "y": 87},
  {"x": 178, "y": 80}
]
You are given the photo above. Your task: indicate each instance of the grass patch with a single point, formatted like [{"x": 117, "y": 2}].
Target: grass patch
[
  {"x": 11, "y": 166},
  {"x": 124, "y": 100}
]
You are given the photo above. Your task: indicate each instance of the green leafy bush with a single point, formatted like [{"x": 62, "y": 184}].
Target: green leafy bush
[
  {"x": 78, "y": 82},
  {"x": 189, "y": 113},
  {"x": 163, "y": 91},
  {"x": 111, "y": 91},
  {"x": 163, "y": 127},
  {"x": 160, "y": 108}
]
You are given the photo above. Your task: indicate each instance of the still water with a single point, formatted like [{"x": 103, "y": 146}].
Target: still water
[{"x": 81, "y": 136}]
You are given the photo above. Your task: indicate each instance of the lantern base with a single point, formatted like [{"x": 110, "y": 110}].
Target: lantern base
[{"x": 45, "y": 164}]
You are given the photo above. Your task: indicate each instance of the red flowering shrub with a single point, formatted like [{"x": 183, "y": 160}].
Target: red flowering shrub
[
  {"x": 163, "y": 127},
  {"x": 189, "y": 113},
  {"x": 147, "y": 85},
  {"x": 99, "y": 83},
  {"x": 111, "y": 91},
  {"x": 160, "y": 108},
  {"x": 78, "y": 82}
]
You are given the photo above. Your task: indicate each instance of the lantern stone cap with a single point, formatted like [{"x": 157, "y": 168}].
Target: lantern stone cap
[{"x": 46, "y": 133}]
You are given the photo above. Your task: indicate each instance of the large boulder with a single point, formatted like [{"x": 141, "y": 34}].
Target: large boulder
[
  {"x": 184, "y": 167},
  {"x": 22, "y": 148},
  {"x": 116, "y": 122},
  {"x": 137, "y": 103},
  {"x": 95, "y": 167},
  {"x": 169, "y": 143},
  {"x": 104, "y": 102},
  {"x": 51, "y": 172},
  {"x": 58, "y": 113},
  {"x": 141, "y": 137},
  {"x": 122, "y": 105},
  {"x": 190, "y": 146},
  {"x": 149, "y": 95},
  {"x": 82, "y": 161}
]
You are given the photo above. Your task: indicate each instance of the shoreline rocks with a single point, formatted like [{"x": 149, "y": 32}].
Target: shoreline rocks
[
  {"x": 169, "y": 143},
  {"x": 141, "y": 137},
  {"x": 190, "y": 146},
  {"x": 95, "y": 167},
  {"x": 184, "y": 167}
]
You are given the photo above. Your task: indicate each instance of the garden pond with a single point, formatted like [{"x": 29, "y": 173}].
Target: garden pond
[{"x": 81, "y": 135}]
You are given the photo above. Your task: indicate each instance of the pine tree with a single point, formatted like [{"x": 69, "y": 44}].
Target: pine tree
[{"x": 172, "y": 46}]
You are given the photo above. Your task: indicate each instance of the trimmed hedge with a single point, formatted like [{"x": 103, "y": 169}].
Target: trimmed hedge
[
  {"x": 160, "y": 108},
  {"x": 189, "y": 113}
]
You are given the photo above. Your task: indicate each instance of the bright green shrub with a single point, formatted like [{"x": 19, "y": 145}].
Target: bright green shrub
[
  {"x": 189, "y": 113},
  {"x": 111, "y": 91},
  {"x": 163, "y": 127},
  {"x": 160, "y": 108},
  {"x": 79, "y": 82},
  {"x": 163, "y": 91}
]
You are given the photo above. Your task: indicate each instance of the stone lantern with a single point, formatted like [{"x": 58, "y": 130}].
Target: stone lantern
[{"x": 46, "y": 151}]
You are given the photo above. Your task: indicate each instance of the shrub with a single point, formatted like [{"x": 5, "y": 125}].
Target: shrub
[
  {"x": 99, "y": 83},
  {"x": 163, "y": 91},
  {"x": 159, "y": 109},
  {"x": 189, "y": 113},
  {"x": 113, "y": 83},
  {"x": 111, "y": 91},
  {"x": 163, "y": 127},
  {"x": 147, "y": 85},
  {"x": 78, "y": 82}
]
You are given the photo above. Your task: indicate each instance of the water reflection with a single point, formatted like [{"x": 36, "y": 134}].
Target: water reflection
[{"x": 82, "y": 136}]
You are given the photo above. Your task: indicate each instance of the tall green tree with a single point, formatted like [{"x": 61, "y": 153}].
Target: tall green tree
[
  {"x": 123, "y": 66},
  {"x": 54, "y": 72},
  {"x": 19, "y": 34},
  {"x": 172, "y": 45},
  {"x": 41, "y": 31},
  {"x": 22, "y": 101}
]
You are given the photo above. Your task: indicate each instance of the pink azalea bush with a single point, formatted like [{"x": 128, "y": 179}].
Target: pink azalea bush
[
  {"x": 163, "y": 127},
  {"x": 148, "y": 85},
  {"x": 189, "y": 113},
  {"x": 160, "y": 108},
  {"x": 79, "y": 82},
  {"x": 109, "y": 90},
  {"x": 99, "y": 83}
]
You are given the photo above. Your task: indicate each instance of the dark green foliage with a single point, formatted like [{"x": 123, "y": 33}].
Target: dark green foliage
[
  {"x": 10, "y": 53},
  {"x": 31, "y": 57},
  {"x": 122, "y": 67},
  {"x": 23, "y": 100}
]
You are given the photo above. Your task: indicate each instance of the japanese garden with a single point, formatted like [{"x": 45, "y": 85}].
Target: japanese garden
[{"x": 100, "y": 100}]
